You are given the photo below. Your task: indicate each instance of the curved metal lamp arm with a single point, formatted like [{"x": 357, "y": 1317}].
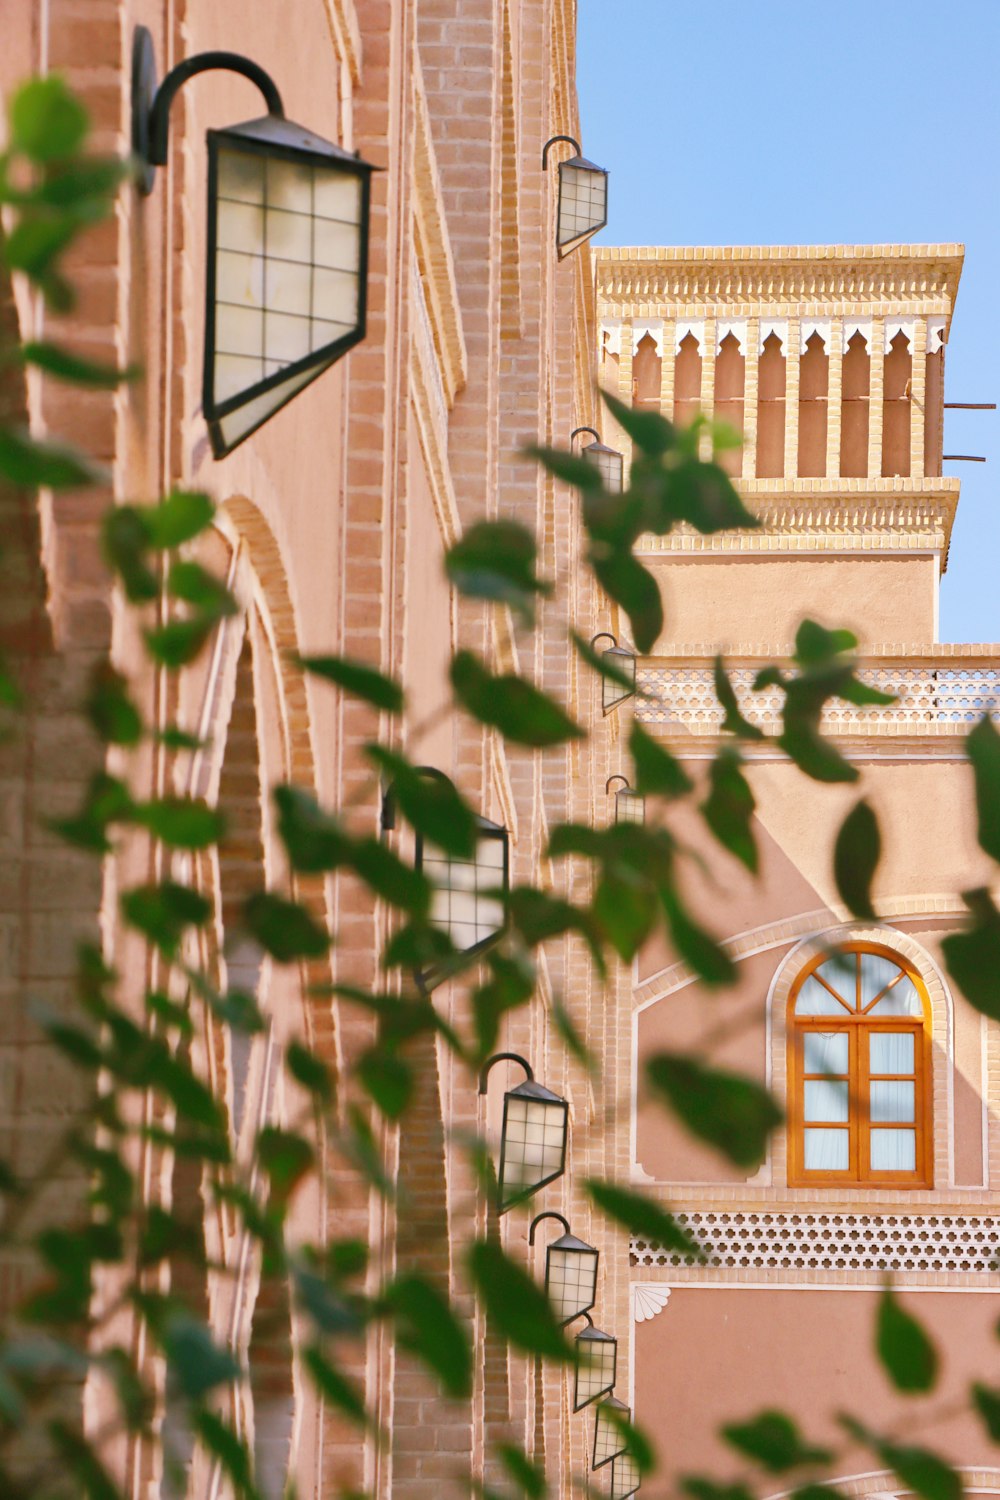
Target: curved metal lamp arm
[
  {"x": 491, "y": 1062},
  {"x": 388, "y": 817},
  {"x": 592, "y": 430},
  {"x": 151, "y": 105},
  {"x": 549, "y": 144},
  {"x": 603, "y": 635},
  {"x": 624, "y": 779},
  {"x": 549, "y": 1214},
  {"x": 585, "y": 1316}
]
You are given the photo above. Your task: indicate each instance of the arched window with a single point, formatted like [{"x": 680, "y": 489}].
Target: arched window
[{"x": 859, "y": 1106}]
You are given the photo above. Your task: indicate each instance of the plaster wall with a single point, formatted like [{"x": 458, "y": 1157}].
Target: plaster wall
[{"x": 729, "y": 600}]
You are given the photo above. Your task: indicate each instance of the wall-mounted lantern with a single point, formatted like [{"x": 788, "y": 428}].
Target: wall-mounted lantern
[
  {"x": 469, "y": 900},
  {"x": 625, "y": 1476},
  {"x": 608, "y": 462},
  {"x": 609, "y": 1440},
  {"x": 596, "y": 1355},
  {"x": 630, "y": 806},
  {"x": 623, "y": 660},
  {"x": 570, "y": 1271},
  {"x": 532, "y": 1136},
  {"x": 287, "y": 245},
  {"x": 583, "y": 197}
]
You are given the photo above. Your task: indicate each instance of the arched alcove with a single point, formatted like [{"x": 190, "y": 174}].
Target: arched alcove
[
  {"x": 687, "y": 381},
  {"x": 854, "y": 408},
  {"x": 896, "y": 408},
  {"x": 646, "y": 365},
  {"x": 814, "y": 387},
  {"x": 934, "y": 413},
  {"x": 771, "y": 410},
  {"x": 730, "y": 384}
]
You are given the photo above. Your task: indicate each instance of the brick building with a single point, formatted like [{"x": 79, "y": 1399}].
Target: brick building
[{"x": 830, "y": 361}]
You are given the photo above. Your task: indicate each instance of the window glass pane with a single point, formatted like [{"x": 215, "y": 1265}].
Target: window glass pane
[
  {"x": 876, "y": 973},
  {"x": 827, "y": 1150},
  {"x": 902, "y": 1000},
  {"x": 893, "y": 1150},
  {"x": 814, "y": 999},
  {"x": 892, "y": 1101},
  {"x": 828, "y": 1101},
  {"x": 890, "y": 1052},
  {"x": 826, "y": 1052}
]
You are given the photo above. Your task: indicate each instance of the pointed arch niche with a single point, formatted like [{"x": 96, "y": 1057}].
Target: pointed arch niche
[
  {"x": 896, "y": 408},
  {"x": 730, "y": 385},
  {"x": 814, "y": 390},
  {"x": 771, "y": 409},
  {"x": 646, "y": 367},
  {"x": 854, "y": 408},
  {"x": 687, "y": 380}
]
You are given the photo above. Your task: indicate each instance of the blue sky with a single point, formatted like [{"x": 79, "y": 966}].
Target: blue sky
[{"x": 705, "y": 114}]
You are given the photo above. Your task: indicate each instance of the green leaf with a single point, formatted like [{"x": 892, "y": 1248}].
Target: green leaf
[
  {"x": 529, "y": 1478},
  {"x": 357, "y": 678},
  {"x": 569, "y": 467},
  {"x": 700, "y": 1488},
  {"x": 125, "y": 542},
  {"x": 705, "y": 497},
  {"x": 427, "y": 1325},
  {"x": 196, "y": 586},
  {"x": 855, "y": 859},
  {"x": 285, "y": 1157},
  {"x": 657, "y": 772},
  {"x": 163, "y": 912},
  {"x": 496, "y": 560},
  {"x": 63, "y": 365},
  {"x": 569, "y": 1033},
  {"x": 431, "y": 804},
  {"x": 987, "y": 1403},
  {"x": 733, "y": 721},
  {"x": 920, "y": 1470},
  {"x": 732, "y": 1113},
  {"x": 47, "y": 120},
  {"x": 625, "y": 910},
  {"x": 650, "y": 432},
  {"x": 177, "y": 643},
  {"x": 334, "y": 1387},
  {"x": 624, "y": 579},
  {"x": 815, "y": 645},
  {"x": 972, "y": 957},
  {"x": 515, "y": 1304},
  {"x": 642, "y": 1216},
  {"x": 519, "y": 711},
  {"x": 539, "y": 916},
  {"x": 729, "y": 807},
  {"x": 907, "y": 1354},
  {"x": 387, "y": 1078},
  {"x": 190, "y": 1097},
  {"x": 179, "y": 517},
  {"x": 391, "y": 877},
  {"x": 511, "y": 984},
  {"x": 812, "y": 753},
  {"x": 31, "y": 463},
  {"x": 314, "y": 839},
  {"x": 80, "y": 1461},
  {"x": 195, "y": 1361},
  {"x": 309, "y": 1070},
  {"x": 181, "y": 822},
  {"x": 110, "y": 708},
  {"x": 284, "y": 928},
  {"x": 982, "y": 746},
  {"x": 599, "y": 662},
  {"x": 229, "y": 1448},
  {"x": 773, "y": 1440},
  {"x": 694, "y": 944}
]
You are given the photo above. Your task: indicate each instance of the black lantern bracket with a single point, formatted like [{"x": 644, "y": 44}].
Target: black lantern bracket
[
  {"x": 604, "y": 635},
  {"x": 594, "y": 434},
  {"x": 151, "y": 103},
  {"x": 548, "y": 1214},
  {"x": 387, "y": 820},
  {"x": 624, "y": 781},
  {"x": 569, "y": 140},
  {"x": 498, "y": 1057}
]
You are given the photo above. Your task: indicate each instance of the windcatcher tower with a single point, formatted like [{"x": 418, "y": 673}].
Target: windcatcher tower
[{"x": 830, "y": 362}]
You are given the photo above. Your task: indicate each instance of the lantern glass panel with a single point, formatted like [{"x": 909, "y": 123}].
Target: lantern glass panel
[
  {"x": 609, "y": 463},
  {"x": 468, "y": 902},
  {"x": 614, "y": 693},
  {"x": 630, "y": 807},
  {"x": 533, "y": 1142},
  {"x": 571, "y": 1277},
  {"x": 287, "y": 218},
  {"x": 609, "y": 1440},
  {"x": 583, "y": 203},
  {"x": 625, "y": 1476},
  {"x": 596, "y": 1362}
]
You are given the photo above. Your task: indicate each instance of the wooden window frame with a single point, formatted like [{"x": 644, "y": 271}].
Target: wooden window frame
[{"x": 859, "y": 1172}]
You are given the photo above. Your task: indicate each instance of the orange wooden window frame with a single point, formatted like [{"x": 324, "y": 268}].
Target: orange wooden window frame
[{"x": 859, "y": 1172}]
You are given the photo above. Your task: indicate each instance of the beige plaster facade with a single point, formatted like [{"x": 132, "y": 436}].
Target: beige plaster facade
[{"x": 781, "y": 1315}]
